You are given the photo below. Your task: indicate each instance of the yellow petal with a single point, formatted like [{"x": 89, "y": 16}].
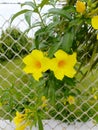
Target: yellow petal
[
  {"x": 37, "y": 54},
  {"x": 72, "y": 59},
  {"x": 80, "y": 7},
  {"x": 59, "y": 74},
  {"x": 53, "y": 64},
  {"x": 45, "y": 62},
  {"x": 97, "y": 36},
  {"x": 94, "y": 22},
  {"x": 21, "y": 126},
  {"x": 63, "y": 64},
  {"x": 70, "y": 72},
  {"x": 28, "y": 69},
  {"x": 43, "y": 98},
  {"x": 28, "y": 59},
  {"x": 61, "y": 54},
  {"x": 71, "y": 100},
  {"x": 37, "y": 75}
]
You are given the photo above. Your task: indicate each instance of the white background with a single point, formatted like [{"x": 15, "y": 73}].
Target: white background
[{"x": 7, "y": 10}]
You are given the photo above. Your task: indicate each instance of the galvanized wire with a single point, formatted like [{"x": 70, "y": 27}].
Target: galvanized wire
[{"x": 6, "y": 73}]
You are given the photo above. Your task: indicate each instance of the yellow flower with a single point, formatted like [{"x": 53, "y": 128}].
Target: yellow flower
[
  {"x": 44, "y": 102},
  {"x": 63, "y": 64},
  {"x": 94, "y": 22},
  {"x": 97, "y": 36},
  {"x": 43, "y": 98},
  {"x": 21, "y": 127},
  {"x": 19, "y": 118},
  {"x": 19, "y": 121},
  {"x": 36, "y": 63},
  {"x": 80, "y": 7},
  {"x": 71, "y": 100},
  {"x": 95, "y": 97}
]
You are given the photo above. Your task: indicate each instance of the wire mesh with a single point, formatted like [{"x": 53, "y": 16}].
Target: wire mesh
[{"x": 14, "y": 84}]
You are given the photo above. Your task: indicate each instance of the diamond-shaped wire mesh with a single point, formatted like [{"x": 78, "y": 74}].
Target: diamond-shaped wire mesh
[{"x": 14, "y": 85}]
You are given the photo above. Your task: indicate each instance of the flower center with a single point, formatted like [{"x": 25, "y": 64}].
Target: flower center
[
  {"x": 38, "y": 64},
  {"x": 61, "y": 63}
]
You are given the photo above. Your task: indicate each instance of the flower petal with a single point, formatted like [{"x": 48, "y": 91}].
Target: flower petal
[
  {"x": 59, "y": 74},
  {"x": 80, "y": 7},
  {"x": 94, "y": 22},
  {"x": 37, "y": 75}
]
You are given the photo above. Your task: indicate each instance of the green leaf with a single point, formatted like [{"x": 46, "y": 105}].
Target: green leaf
[
  {"x": 60, "y": 12},
  {"x": 40, "y": 124},
  {"x": 69, "y": 9},
  {"x": 67, "y": 41},
  {"x": 51, "y": 91},
  {"x": 96, "y": 118},
  {"x": 69, "y": 81},
  {"x": 31, "y": 4},
  {"x": 19, "y": 13},
  {"x": 75, "y": 22},
  {"x": 43, "y": 3},
  {"x": 33, "y": 26},
  {"x": 38, "y": 35},
  {"x": 52, "y": 25},
  {"x": 54, "y": 48},
  {"x": 28, "y": 17}
]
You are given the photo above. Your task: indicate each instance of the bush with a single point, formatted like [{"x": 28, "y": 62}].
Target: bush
[{"x": 13, "y": 42}]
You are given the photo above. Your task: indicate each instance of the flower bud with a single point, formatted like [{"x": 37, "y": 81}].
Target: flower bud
[{"x": 80, "y": 7}]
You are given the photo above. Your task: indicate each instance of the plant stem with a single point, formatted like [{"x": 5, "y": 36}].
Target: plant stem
[
  {"x": 93, "y": 55},
  {"x": 39, "y": 14},
  {"x": 93, "y": 12}
]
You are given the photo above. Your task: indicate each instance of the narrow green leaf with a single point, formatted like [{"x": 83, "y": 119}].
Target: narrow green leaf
[
  {"x": 69, "y": 9},
  {"x": 19, "y": 13},
  {"x": 51, "y": 92},
  {"x": 33, "y": 26},
  {"x": 40, "y": 124},
  {"x": 60, "y": 12},
  {"x": 54, "y": 48},
  {"x": 67, "y": 41},
  {"x": 28, "y": 17},
  {"x": 43, "y": 3},
  {"x": 69, "y": 81},
  {"x": 31, "y": 4}
]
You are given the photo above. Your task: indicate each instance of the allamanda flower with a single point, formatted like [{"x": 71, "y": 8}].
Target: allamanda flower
[
  {"x": 36, "y": 63},
  {"x": 80, "y": 7},
  {"x": 63, "y": 64},
  {"x": 20, "y": 122},
  {"x": 94, "y": 22},
  {"x": 71, "y": 100}
]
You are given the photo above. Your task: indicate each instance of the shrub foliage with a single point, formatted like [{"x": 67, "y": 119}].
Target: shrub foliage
[{"x": 14, "y": 42}]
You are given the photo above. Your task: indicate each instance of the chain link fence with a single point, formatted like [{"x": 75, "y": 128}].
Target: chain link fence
[{"x": 14, "y": 84}]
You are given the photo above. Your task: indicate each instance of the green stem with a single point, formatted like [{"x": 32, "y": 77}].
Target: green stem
[
  {"x": 91, "y": 60},
  {"x": 93, "y": 55},
  {"x": 93, "y": 12},
  {"x": 39, "y": 14}
]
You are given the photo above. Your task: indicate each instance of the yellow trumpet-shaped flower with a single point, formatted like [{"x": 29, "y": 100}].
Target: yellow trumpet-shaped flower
[
  {"x": 19, "y": 121},
  {"x": 80, "y": 7},
  {"x": 94, "y": 22},
  {"x": 63, "y": 64},
  {"x": 71, "y": 100},
  {"x": 36, "y": 63}
]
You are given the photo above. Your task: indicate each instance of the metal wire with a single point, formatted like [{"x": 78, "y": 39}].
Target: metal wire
[{"x": 9, "y": 75}]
